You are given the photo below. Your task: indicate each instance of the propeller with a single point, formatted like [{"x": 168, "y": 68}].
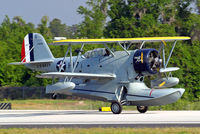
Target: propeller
[
  {"x": 155, "y": 64},
  {"x": 154, "y": 60}
]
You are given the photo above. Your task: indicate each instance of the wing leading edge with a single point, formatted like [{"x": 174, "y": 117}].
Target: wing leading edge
[
  {"x": 116, "y": 40},
  {"x": 76, "y": 75}
]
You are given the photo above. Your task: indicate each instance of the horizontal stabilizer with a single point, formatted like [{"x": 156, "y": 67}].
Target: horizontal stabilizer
[
  {"x": 32, "y": 62},
  {"x": 76, "y": 75},
  {"x": 169, "y": 69}
]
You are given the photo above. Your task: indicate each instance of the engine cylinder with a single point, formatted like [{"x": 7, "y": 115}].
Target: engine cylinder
[{"x": 146, "y": 61}]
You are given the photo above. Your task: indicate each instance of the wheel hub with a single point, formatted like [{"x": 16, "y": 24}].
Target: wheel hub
[{"x": 115, "y": 108}]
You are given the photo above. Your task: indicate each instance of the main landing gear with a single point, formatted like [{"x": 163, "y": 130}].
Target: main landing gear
[
  {"x": 116, "y": 108},
  {"x": 54, "y": 96}
]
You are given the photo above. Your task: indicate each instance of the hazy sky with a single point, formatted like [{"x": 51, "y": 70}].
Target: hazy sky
[{"x": 33, "y": 10}]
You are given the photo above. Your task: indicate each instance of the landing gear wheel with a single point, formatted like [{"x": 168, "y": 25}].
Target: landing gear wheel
[
  {"x": 116, "y": 107},
  {"x": 54, "y": 96},
  {"x": 142, "y": 109}
]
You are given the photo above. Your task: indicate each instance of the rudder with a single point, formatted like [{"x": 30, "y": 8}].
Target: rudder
[{"x": 35, "y": 48}]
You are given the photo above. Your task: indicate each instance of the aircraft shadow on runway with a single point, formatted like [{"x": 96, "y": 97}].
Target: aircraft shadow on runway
[{"x": 26, "y": 114}]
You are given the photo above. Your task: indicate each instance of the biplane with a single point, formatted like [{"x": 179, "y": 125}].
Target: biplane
[{"x": 104, "y": 74}]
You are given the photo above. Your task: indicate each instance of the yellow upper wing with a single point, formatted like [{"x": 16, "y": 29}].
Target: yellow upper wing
[{"x": 121, "y": 40}]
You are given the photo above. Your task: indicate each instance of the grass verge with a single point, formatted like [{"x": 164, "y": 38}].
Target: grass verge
[
  {"x": 64, "y": 104},
  {"x": 101, "y": 131}
]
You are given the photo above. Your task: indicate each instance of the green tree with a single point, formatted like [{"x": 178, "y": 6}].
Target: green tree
[
  {"x": 11, "y": 37},
  {"x": 57, "y": 29},
  {"x": 133, "y": 18},
  {"x": 187, "y": 23},
  {"x": 72, "y": 31},
  {"x": 94, "y": 19},
  {"x": 43, "y": 27}
]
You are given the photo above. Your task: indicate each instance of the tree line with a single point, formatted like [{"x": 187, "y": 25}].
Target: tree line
[{"x": 112, "y": 19}]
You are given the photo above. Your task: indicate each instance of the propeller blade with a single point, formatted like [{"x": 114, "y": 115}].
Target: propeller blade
[{"x": 142, "y": 60}]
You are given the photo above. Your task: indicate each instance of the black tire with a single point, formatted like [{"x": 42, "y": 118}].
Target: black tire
[
  {"x": 116, "y": 107},
  {"x": 142, "y": 109},
  {"x": 54, "y": 96}
]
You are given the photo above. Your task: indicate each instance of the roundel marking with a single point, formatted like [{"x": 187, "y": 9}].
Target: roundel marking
[{"x": 61, "y": 66}]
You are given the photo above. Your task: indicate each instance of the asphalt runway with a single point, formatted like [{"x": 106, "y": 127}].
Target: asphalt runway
[{"x": 91, "y": 118}]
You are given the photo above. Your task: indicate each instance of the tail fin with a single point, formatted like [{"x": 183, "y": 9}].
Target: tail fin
[{"x": 35, "y": 48}]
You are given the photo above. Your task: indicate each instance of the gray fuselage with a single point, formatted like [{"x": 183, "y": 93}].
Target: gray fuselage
[{"x": 135, "y": 91}]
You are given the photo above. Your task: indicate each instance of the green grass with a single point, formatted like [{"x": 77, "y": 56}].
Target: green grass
[
  {"x": 64, "y": 104},
  {"x": 101, "y": 131},
  {"x": 60, "y": 104}
]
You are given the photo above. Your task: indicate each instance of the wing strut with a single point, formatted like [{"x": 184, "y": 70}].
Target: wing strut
[
  {"x": 79, "y": 54},
  {"x": 142, "y": 44},
  {"x": 71, "y": 62},
  {"x": 162, "y": 47},
  {"x": 109, "y": 50},
  {"x": 123, "y": 48},
  {"x": 77, "y": 58},
  {"x": 129, "y": 45},
  {"x": 72, "y": 66},
  {"x": 170, "y": 53},
  {"x": 64, "y": 59}
]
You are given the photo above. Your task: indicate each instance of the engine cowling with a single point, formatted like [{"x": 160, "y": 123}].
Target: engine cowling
[{"x": 146, "y": 61}]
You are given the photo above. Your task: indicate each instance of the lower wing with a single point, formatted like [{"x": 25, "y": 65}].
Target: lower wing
[{"x": 76, "y": 75}]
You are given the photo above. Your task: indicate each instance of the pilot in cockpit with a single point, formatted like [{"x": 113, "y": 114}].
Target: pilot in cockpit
[{"x": 107, "y": 52}]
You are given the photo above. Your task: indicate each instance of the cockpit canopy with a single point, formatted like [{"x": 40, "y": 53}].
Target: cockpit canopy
[{"x": 96, "y": 52}]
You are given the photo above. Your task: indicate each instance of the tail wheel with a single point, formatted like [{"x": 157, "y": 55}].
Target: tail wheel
[
  {"x": 142, "y": 109},
  {"x": 116, "y": 107}
]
